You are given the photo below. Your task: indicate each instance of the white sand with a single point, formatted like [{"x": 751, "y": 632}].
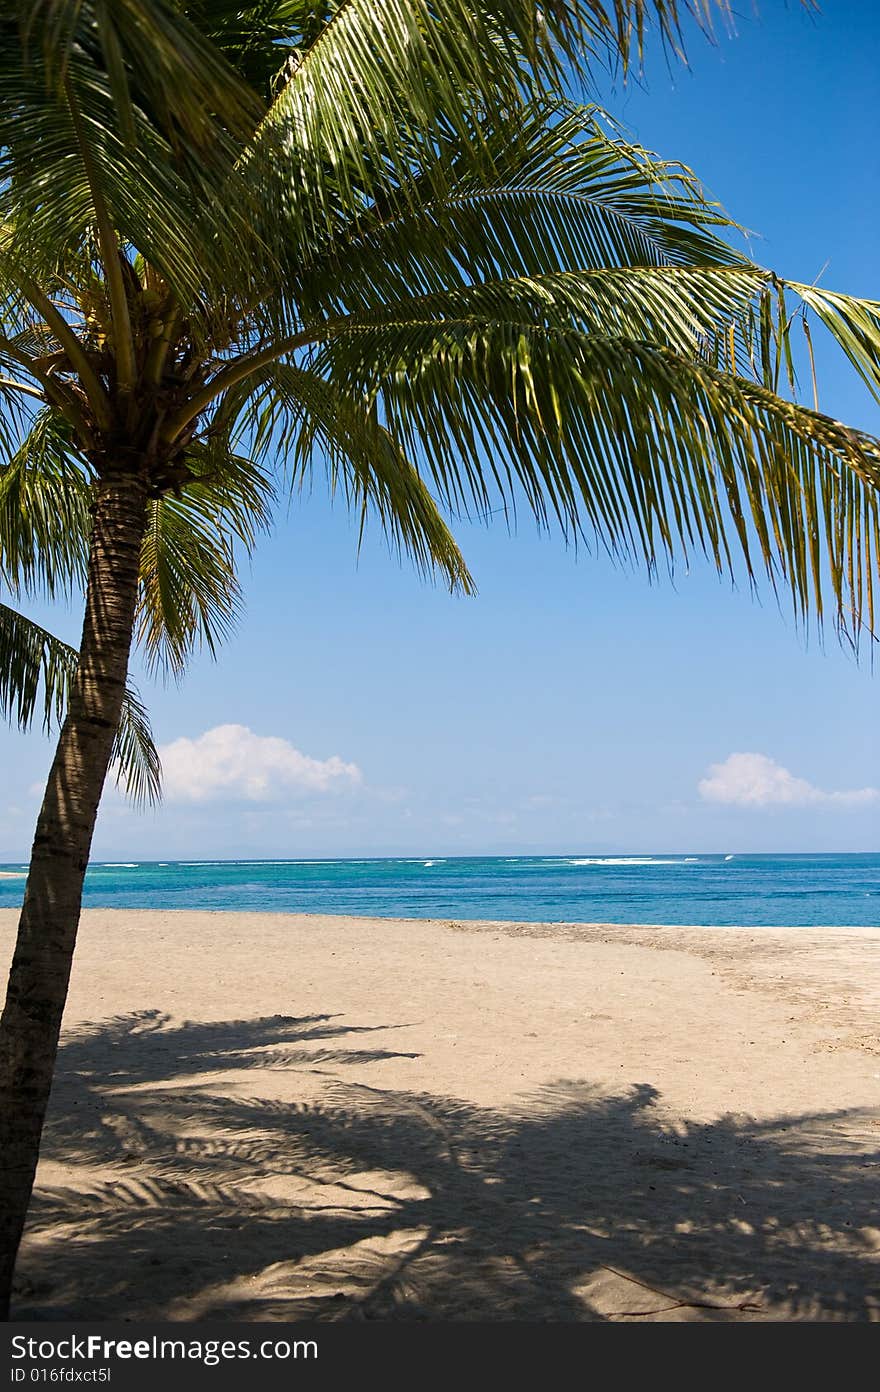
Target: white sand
[{"x": 290, "y": 1117}]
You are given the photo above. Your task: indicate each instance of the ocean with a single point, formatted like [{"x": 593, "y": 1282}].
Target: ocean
[{"x": 713, "y": 890}]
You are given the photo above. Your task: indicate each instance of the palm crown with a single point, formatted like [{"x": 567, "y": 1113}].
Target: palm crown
[{"x": 380, "y": 235}]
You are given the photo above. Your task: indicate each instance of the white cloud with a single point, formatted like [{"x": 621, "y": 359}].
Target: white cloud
[
  {"x": 754, "y": 780},
  {"x": 231, "y": 761}
]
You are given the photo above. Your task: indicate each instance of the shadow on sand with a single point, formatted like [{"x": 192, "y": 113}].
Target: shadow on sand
[{"x": 192, "y": 1199}]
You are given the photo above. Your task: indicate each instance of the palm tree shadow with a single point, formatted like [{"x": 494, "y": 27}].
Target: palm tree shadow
[{"x": 194, "y": 1201}]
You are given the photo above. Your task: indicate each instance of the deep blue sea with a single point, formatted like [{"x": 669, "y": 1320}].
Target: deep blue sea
[{"x": 716, "y": 890}]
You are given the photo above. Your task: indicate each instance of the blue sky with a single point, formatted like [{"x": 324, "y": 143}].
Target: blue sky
[{"x": 570, "y": 706}]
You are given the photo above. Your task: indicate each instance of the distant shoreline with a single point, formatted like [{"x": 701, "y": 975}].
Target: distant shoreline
[
  {"x": 413, "y": 857},
  {"x": 730, "y": 889}
]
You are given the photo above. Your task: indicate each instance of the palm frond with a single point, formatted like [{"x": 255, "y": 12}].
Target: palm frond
[
  {"x": 36, "y": 673},
  {"x": 135, "y": 758},
  {"x": 36, "y": 669},
  {"x": 689, "y": 308},
  {"x": 367, "y": 96},
  {"x": 853, "y": 323},
  {"x": 559, "y": 191},
  {"x": 653, "y": 452},
  {"x": 155, "y": 57},
  {"x": 160, "y": 201},
  {"x": 189, "y": 594},
  {"x": 301, "y": 417},
  {"x": 44, "y": 511}
]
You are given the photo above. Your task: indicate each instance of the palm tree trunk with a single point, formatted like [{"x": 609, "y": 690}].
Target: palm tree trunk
[{"x": 40, "y": 972}]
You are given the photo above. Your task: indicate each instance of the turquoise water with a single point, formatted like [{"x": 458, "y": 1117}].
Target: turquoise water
[{"x": 716, "y": 890}]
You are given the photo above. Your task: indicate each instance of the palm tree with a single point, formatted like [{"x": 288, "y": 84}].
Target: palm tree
[{"x": 378, "y": 234}]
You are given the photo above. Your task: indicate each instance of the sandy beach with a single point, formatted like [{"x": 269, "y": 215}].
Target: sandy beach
[{"x": 296, "y": 1117}]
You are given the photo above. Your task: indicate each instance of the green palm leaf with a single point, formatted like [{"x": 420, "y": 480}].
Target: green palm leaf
[
  {"x": 652, "y": 451},
  {"x": 558, "y": 191},
  {"x": 135, "y": 758},
  {"x": 189, "y": 593},
  {"x": 303, "y": 418},
  {"x": 44, "y": 510},
  {"x": 36, "y": 672},
  {"x": 855, "y": 324}
]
